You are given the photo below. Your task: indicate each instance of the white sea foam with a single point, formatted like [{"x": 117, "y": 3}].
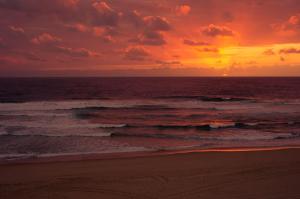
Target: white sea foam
[
  {"x": 22, "y": 156},
  {"x": 217, "y": 125}
]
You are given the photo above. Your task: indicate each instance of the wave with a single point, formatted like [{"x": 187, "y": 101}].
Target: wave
[
  {"x": 222, "y": 99},
  {"x": 235, "y": 137},
  {"x": 10, "y": 100},
  {"x": 137, "y": 107},
  {"x": 265, "y": 124},
  {"x": 24, "y": 156},
  {"x": 209, "y": 126},
  {"x": 112, "y": 125},
  {"x": 89, "y": 112},
  {"x": 231, "y": 137},
  {"x": 70, "y": 126},
  {"x": 206, "y": 98},
  {"x": 222, "y": 125},
  {"x": 59, "y": 134}
]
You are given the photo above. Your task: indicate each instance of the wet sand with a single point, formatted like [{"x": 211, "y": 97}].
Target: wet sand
[{"x": 248, "y": 174}]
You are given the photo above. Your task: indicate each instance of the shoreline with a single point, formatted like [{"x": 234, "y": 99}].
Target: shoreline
[{"x": 49, "y": 158}]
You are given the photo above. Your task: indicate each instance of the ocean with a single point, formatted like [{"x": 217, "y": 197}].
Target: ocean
[{"x": 42, "y": 117}]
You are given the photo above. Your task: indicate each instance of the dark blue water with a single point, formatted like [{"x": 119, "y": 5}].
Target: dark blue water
[{"x": 57, "y": 116}]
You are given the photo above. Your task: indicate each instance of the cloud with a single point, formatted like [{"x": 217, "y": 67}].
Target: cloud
[
  {"x": 104, "y": 33},
  {"x": 17, "y": 29},
  {"x": 149, "y": 23},
  {"x": 77, "y": 52},
  {"x": 31, "y": 56},
  {"x": 228, "y": 16},
  {"x": 169, "y": 63},
  {"x": 91, "y": 12},
  {"x": 77, "y": 27},
  {"x": 151, "y": 38},
  {"x": 153, "y": 28},
  {"x": 156, "y": 23},
  {"x": 195, "y": 43},
  {"x": 289, "y": 51},
  {"x": 32, "y": 7},
  {"x": 45, "y": 38},
  {"x": 8, "y": 60},
  {"x": 104, "y": 15},
  {"x": 2, "y": 43},
  {"x": 269, "y": 52},
  {"x": 214, "y": 31},
  {"x": 290, "y": 26},
  {"x": 212, "y": 50},
  {"x": 295, "y": 20},
  {"x": 135, "y": 18},
  {"x": 183, "y": 10},
  {"x": 136, "y": 54}
]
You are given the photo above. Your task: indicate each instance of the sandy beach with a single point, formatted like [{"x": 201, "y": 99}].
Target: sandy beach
[{"x": 252, "y": 174}]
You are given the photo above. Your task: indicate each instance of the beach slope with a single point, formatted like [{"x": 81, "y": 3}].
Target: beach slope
[{"x": 257, "y": 174}]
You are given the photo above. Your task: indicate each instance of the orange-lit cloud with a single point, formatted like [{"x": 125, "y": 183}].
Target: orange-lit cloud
[
  {"x": 210, "y": 37},
  {"x": 214, "y": 31},
  {"x": 78, "y": 27},
  {"x": 290, "y": 51},
  {"x": 183, "y": 10},
  {"x": 136, "y": 54},
  {"x": 195, "y": 43}
]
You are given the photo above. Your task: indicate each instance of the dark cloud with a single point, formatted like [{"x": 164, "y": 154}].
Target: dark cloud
[
  {"x": 2, "y": 43},
  {"x": 152, "y": 29},
  {"x": 104, "y": 15},
  {"x": 292, "y": 24},
  {"x": 106, "y": 34},
  {"x": 9, "y": 60},
  {"x": 33, "y": 5},
  {"x": 269, "y": 52},
  {"x": 228, "y": 16},
  {"x": 76, "y": 52},
  {"x": 136, "y": 54},
  {"x": 290, "y": 51},
  {"x": 156, "y": 23},
  {"x": 31, "y": 56},
  {"x": 212, "y": 50},
  {"x": 214, "y": 31},
  {"x": 135, "y": 18},
  {"x": 169, "y": 63},
  {"x": 12, "y": 37},
  {"x": 60, "y": 8},
  {"x": 195, "y": 43},
  {"x": 88, "y": 11},
  {"x": 149, "y": 23},
  {"x": 151, "y": 38}
]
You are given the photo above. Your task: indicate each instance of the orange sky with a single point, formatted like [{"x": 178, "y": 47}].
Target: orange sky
[{"x": 150, "y": 38}]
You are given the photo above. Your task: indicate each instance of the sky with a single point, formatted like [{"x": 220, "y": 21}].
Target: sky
[{"x": 149, "y": 38}]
